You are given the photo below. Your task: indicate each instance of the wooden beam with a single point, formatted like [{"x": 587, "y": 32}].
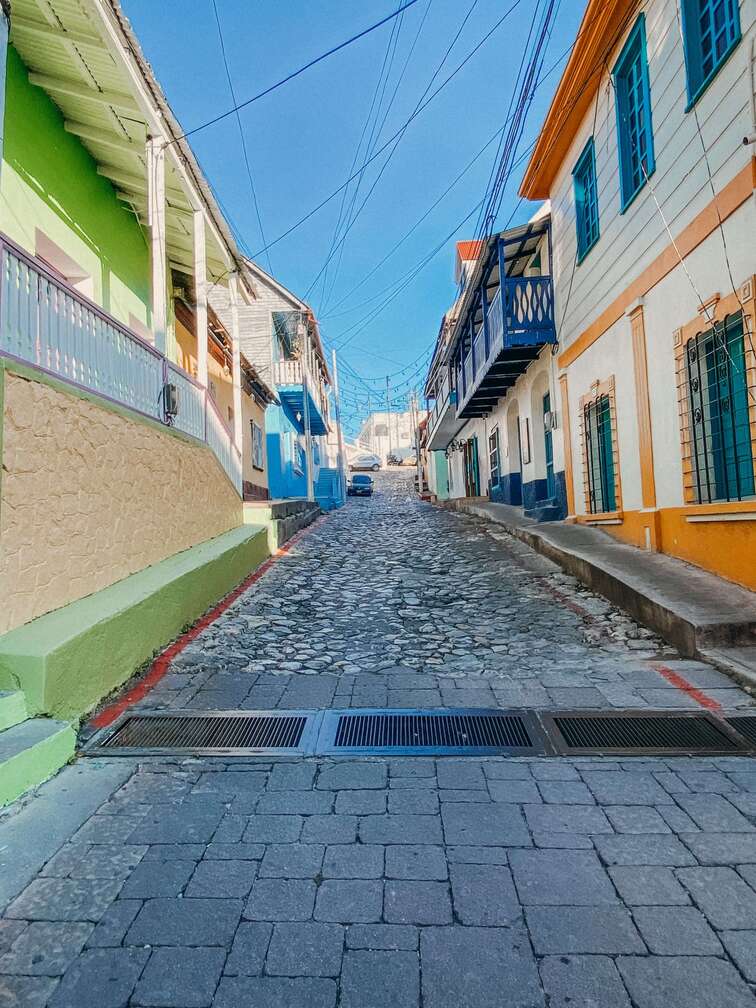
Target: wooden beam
[
  {"x": 99, "y": 136},
  {"x": 136, "y": 183},
  {"x": 122, "y": 102},
  {"x": 49, "y": 31}
]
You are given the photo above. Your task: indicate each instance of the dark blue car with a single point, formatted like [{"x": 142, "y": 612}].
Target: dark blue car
[{"x": 360, "y": 486}]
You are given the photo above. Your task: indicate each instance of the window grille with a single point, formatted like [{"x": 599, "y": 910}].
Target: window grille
[
  {"x": 599, "y": 455},
  {"x": 633, "y": 99},
  {"x": 721, "y": 441}
]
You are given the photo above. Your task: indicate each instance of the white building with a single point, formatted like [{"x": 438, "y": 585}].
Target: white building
[
  {"x": 389, "y": 433},
  {"x": 643, "y": 420}
]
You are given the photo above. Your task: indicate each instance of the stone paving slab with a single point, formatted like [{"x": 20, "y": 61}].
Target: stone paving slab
[{"x": 407, "y": 882}]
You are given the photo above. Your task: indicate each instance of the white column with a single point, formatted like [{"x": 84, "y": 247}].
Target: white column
[
  {"x": 307, "y": 427},
  {"x": 339, "y": 431},
  {"x": 156, "y": 223},
  {"x": 233, "y": 286},
  {"x": 200, "y": 295}
]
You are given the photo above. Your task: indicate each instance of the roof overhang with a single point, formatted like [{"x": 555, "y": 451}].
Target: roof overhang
[
  {"x": 87, "y": 59},
  {"x": 603, "y": 23}
]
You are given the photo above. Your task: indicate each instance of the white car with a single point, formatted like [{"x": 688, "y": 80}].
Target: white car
[{"x": 367, "y": 461}]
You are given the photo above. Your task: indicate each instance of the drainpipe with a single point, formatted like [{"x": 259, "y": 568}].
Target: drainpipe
[
  {"x": 4, "y": 26},
  {"x": 306, "y": 409}
]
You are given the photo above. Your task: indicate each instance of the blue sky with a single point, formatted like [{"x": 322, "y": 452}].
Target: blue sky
[{"x": 302, "y": 140}]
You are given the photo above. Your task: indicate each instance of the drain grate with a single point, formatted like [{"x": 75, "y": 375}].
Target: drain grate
[
  {"x": 745, "y": 725},
  {"x": 429, "y": 732},
  {"x": 638, "y": 732},
  {"x": 204, "y": 733}
]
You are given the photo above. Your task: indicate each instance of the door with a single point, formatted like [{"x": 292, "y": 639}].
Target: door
[
  {"x": 548, "y": 438},
  {"x": 472, "y": 471}
]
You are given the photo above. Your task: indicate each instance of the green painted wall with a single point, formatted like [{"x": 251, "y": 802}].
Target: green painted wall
[
  {"x": 69, "y": 659},
  {"x": 49, "y": 182}
]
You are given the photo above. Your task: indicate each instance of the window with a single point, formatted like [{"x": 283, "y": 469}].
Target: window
[
  {"x": 720, "y": 433},
  {"x": 493, "y": 455},
  {"x": 599, "y": 455},
  {"x": 257, "y": 445},
  {"x": 285, "y": 326},
  {"x": 634, "y": 133},
  {"x": 711, "y": 30},
  {"x": 586, "y": 201},
  {"x": 381, "y": 430}
]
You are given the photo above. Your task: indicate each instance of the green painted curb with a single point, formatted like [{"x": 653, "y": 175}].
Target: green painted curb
[
  {"x": 68, "y": 660},
  {"x": 30, "y": 767}
]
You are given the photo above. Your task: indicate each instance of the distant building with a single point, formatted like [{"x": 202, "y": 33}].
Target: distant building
[{"x": 387, "y": 433}]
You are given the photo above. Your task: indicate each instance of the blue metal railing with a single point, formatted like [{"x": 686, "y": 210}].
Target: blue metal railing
[{"x": 50, "y": 325}]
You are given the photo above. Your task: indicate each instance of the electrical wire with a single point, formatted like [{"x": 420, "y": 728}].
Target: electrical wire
[
  {"x": 380, "y": 130},
  {"x": 245, "y": 152},
  {"x": 368, "y": 119},
  {"x": 293, "y": 74},
  {"x": 400, "y": 137},
  {"x": 421, "y": 108}
]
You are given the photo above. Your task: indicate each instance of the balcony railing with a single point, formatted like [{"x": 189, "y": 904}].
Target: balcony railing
[
  {"x": 524, "y": 316},
  {"x": 289, "y": 372},
  {"x": 50, "y": 325}
]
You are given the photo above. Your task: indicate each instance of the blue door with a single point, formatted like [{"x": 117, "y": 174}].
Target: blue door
[{"x": 548, "y": 438}]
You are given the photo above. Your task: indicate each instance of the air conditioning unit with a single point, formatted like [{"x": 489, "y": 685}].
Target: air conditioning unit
[
  {"x": 550, "y": 420},
  {"x": 170, "y": 400}
]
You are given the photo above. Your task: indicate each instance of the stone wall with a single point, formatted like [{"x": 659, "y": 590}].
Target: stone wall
[{"x": 89, "y": 495}]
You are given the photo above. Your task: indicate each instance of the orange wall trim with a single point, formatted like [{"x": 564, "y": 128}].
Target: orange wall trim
[
  {"x": 643, "y": 408},
  {"x": 726, "y": 548},
  {"x": 733, "y": 196}
]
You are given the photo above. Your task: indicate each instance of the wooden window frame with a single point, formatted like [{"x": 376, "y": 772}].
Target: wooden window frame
[
  {"x": 696, "y": 80},
  {"x": 633, "y": 49}
]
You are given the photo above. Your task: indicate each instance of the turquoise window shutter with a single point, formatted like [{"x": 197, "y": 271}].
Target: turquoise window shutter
[
  {"x": 711, "y": 30},
  {"x": 635, "y": 137}
]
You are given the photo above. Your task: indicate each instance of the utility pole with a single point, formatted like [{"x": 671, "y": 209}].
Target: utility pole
[
  {"x": 388, "y": 415},
  {"x": 339, "y": 432},
  {"x": 306, "y": 399},
  {"x": 418, "y": 461}
]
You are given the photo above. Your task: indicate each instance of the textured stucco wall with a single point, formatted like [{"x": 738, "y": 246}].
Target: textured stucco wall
[{"x": 89, "y": 496}]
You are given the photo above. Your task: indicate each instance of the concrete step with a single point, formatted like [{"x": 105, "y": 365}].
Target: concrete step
[
  {"x": 31, "y": 752},
  {"x": 12, "y": 708}
]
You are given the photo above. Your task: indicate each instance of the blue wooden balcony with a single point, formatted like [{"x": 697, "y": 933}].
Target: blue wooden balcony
[
  {"x": 507, "y": 320},
  {"x": 291, "y": 384}
]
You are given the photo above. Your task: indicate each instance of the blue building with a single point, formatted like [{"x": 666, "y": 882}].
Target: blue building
[{"x": 280, "y": 335}]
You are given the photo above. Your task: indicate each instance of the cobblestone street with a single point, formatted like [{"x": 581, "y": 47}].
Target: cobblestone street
[{"x": 395, "y": 883}]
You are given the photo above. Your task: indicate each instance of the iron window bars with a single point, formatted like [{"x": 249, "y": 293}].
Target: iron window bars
[
  {"x": 599, "y": 453},
  {"x": 720, "y": 429}
]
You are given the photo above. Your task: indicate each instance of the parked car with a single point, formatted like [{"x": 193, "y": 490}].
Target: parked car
[
  {"x": 360, "y": 486},
  {"x": 367, "y": 461}
]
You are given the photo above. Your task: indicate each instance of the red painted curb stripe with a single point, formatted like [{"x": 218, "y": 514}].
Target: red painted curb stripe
[
  {"x": 682, "y": 684},
  {"x": 160, "y": 665}
]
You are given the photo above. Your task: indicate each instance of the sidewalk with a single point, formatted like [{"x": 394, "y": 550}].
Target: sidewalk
[{"x": 700, "y": 613}]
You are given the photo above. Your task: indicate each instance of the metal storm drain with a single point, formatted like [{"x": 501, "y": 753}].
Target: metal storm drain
[
  {"x": 745, "y": 725},
  {"x": 203, "y": 733},
  {"x": 440, "y": 732},
  {"x": 637, "y": 733}
]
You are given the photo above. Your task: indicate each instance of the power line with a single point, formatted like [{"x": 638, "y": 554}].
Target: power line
[
  {"x": 400, "y": 137},
  {"x": 393, "y": 137},
  {"x": 241, "y": 130},
  {"x": 293, "y": 74},
  {"x": 368, "y": 119},
  {"x": 380, "y": 130}
]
